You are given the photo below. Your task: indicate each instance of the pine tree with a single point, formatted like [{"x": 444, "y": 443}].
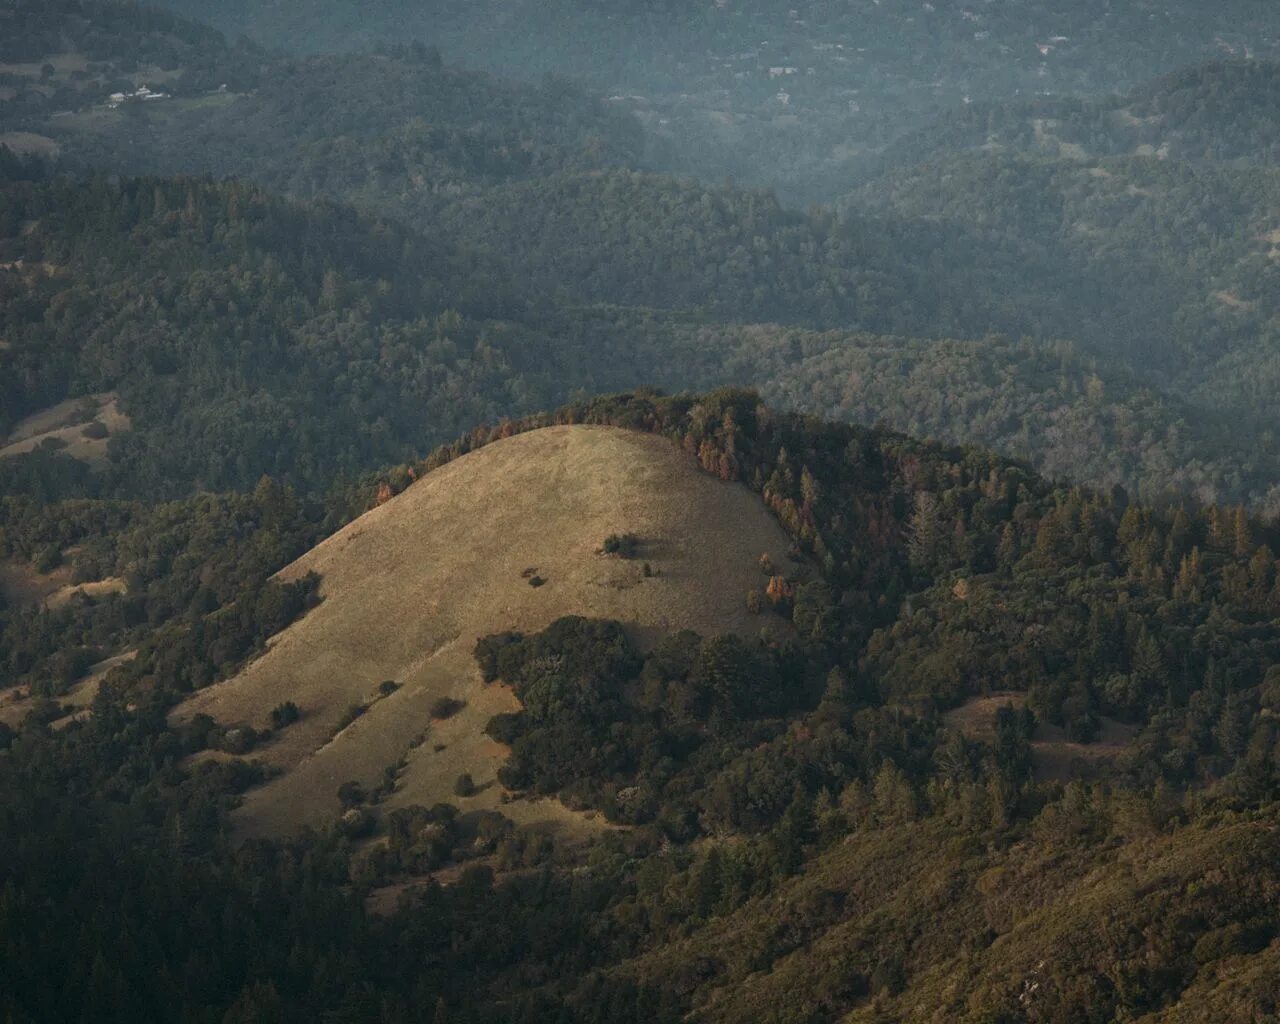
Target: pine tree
[
  {"x": 922, "y": 532},
  {"x": 1189, "y": 577},
  {"x": 1241, "y": 536},
  {"x": 1009, "y": 549},
  {"x": 1147, "y": 662}
]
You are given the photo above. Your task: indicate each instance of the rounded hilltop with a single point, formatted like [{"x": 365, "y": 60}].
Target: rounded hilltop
[{"x": 508, "y": 537}]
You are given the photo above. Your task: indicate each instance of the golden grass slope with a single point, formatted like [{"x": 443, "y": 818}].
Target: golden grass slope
[
  {"x": 65, "y": 423},
  {"x": 409, "y": 587}
]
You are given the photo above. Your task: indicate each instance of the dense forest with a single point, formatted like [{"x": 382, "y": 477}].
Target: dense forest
[
  {"x": 1161, "y": 268},
  {"x": 395, "y": 130},
  {"x": 627, "y": 238},
  {"x": 195, "y": 302},
  {"x": 1184, "y": 251},
  {"x": 814, "y": 800},
  {"x": 102, "y": 31},
  {"x": 228, "y": 320},
  {"x": 1074, "y": 416}
]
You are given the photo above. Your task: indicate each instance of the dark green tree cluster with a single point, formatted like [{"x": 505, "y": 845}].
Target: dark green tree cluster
[{"x": 195, "y": 585}]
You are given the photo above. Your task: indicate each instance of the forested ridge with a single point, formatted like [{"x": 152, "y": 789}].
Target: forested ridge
[
  {"x": 1162, "y": 269},
  {"x": 395, "y": 130},
  {"x": 1214, "y": 112},
  {"x": 103, "y": 30},
  {"x": 228, "y": 321},
  {"x": 712, "y": 78},
  {"x": 798, "y": 811},
  {"x": 196, "y": 300},
  {"x": 628, "y": 238}
]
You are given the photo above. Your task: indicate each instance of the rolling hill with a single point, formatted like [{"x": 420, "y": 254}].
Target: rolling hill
[
  {"x": 796, "y": 95},
  {"x": 225, "y": 320},
  {"x": 396, "y": 131},
  {"x": 1170, "y": 265},
  {"x": 409, "y": 588},
  {"x": 521, "y": 204},
  {"x": 658, "y": 708}
]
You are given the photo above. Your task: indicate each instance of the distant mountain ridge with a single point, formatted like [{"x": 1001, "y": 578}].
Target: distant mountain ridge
[
  {"x": 1223, "y": 111},
  {"x": 529, "y": 212}
]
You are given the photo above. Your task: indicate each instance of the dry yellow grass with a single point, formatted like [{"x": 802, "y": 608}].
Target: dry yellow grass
[
  {"x": 65, "y": 422},
  {"x": 94, "y": 588},
  {"x": 21, "y": 584},
  {"x": 17, "y": 703},
  {"x": 409, "y": 587},
  {"x": 1233, "y": 300},
  {"x": 1056, "y": 756},
  {"x": 29, "y": 144}
]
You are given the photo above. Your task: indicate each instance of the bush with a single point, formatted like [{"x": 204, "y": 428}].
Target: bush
[
  {"x": 355, "y": 823},
  {"x": 239, "y": 740},
  {"x": 487, "y": 650},
  {"x": 284, "y": 714},
  {"x": 349, "y": 716},
  {"x": 446, "y": 707},
  {"x": 420, "y": 838},
  {"x": 351, "y": 794},
  {"x": 44, "y": 711},
  {"x": 506, "y": 727},
  {"x": 386, "y": 689},
  {"x": 198, "y": 734},
  {"x": 476, "y": 878},
  {"x": 49, "y": 559},
  {"x": 624, "y": 545},
  {"x": 95, "y": 431},
  {"x": 465, "y": 786},
  {"x": 1234, "y": 939}
]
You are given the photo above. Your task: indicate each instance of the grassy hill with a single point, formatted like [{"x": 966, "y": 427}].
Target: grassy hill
[{"x": 409, "y": 588}]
